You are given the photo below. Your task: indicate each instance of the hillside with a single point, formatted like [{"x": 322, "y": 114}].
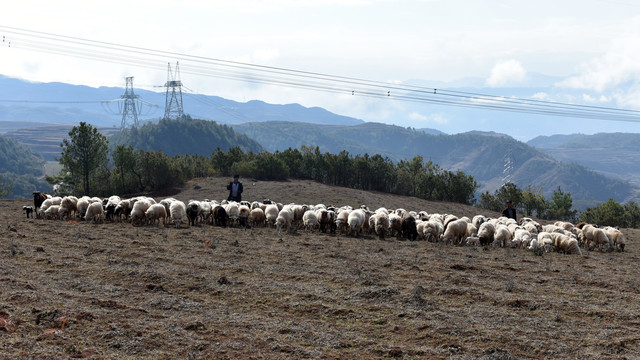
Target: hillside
[
  {"x": 80, "y": 290},
  {"x": 21, "y": 168},
  {"x": 46, "y": 139},
  {"x": 481, "y": 154},
  {"x": 188, "y": 136},
  {"x": 612, "y": 154}
]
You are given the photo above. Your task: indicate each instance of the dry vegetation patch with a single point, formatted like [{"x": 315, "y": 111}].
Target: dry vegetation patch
[{"x": 81, "y": 290}]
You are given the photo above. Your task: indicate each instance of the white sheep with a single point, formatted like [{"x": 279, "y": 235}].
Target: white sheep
[
  {"x": 544, "y": 241},
  {"x": 381, "y": 224},
  {"x": 596, "y": 237},
  {"x": 355, "y": 221},
  {"x": 310, "y": 220},
  {"x": 156, "y": 212},
  {"x": 432, "y": 231},
  {"x": 522, "y": 238},
  {"x": 271, "y": 214},
  {"x": 95, "y": 212},
  {"x": 617, "y": 237},
  {"x": 138, "y": 213},
  {"x": 455, "y": 231},
  {"x": 565, "y": 244},
  {"x": 52, "y": 212},
  {"x": 284, "y": 219},
  {"x": 502, "y": 236},
  {"x": 486, "y": 232},
  {"x": 478, "y": 220},
  {"x": 342, "y": 220},
  {"x": 472, "y": 241},
  {"x": 82, "y": 205},
  {"x": 69, "y": 206},
  {"x": 177, "y": 211}
]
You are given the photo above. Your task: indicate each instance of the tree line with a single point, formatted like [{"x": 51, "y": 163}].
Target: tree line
[{"x": 89, "y": 168}]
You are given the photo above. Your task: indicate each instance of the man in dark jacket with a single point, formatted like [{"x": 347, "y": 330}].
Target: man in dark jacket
[
  {"x": 510, "y": 212},
  {"x": 235, "y": 189}
]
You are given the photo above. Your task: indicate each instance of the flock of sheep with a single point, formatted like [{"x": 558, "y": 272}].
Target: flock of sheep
[{"x": 563, "y": 237}]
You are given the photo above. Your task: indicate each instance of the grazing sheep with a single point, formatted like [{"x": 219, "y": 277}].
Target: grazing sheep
[
  {"x": 326, "y": 218},
  {"x": 310, "y": 220},
  {"x": 156, "y": 212},
  {"x": 617, "y": 237},
  {"x": 472, "y": 241},
  {"x": 284, "y": 219},
  {"x": 69, "y": 206},
  {"x": 138, "y": 213},
  {"x": 243, "y": 215},
  {"x": 455, "y": 231},
  {"x": 409, "y": 227},
  {"x": 395, "y": 224},
  {"x": 478, "y": 220},
  {"x": 565, "y": 244},
  {"x": 433, "y": 230},
  {"x": 522, "y": 238},
  {"x": 110, "y": 206},
  {"x": 355, "y": 221},
  {"x": 341, "y": 220},
  {"x": 595, "y": 237},
  {"x": 298, "y": 213},
  {"x": 220, "y": 216},
  {"x": 233, "y": 213},
  {"x": 52, "y": 212},
  {"x": 177, "y": 211},
  {"x": 82, "y": 205},
  {"x": 502, "y": 236},
  {"x": 486, "y": 233},
  {"x": 193, "y": 212},
  {"x": 256, "y": 217},
  {"x": 381, "y": 224},
  {"x": 271, "y": 214},
  {"x": 544, "y": 241},
  {"x": 95, "y": 212},
  {"x": 472, "y": 230}
]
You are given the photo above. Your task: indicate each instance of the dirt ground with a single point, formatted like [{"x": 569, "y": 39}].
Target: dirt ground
[{"x": 113, "y": 291}]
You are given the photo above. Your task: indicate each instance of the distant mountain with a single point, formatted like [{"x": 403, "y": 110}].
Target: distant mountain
[
  {"x": 65, "y": 103},
  {"x": 481, "y": 154},
  {"x": 612, "y": 154}
]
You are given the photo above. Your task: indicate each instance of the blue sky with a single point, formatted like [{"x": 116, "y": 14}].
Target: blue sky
[{"x": 591, "y": 48}]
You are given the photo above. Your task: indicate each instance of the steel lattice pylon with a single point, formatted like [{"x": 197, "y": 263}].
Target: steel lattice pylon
[
  {"x": 173, "y": 104},
  {"x": 129, "y": 111}
]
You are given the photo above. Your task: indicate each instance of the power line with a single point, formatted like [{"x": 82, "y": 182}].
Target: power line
[{"x": 269, "y": 75}]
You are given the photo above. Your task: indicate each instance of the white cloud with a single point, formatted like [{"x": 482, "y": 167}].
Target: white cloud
[
  {"x": 506, "y": 72},
  {"x": 418, "y": 119},
  {"x": 540, "y": 96}
]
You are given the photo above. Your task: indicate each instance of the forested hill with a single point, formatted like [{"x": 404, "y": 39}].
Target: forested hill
[
  {"x": 613, "y": 154},
  {"x": 483, "y": 155},
  {"x": 187, "y": 136},
  {"x": 21, "y": 168}
]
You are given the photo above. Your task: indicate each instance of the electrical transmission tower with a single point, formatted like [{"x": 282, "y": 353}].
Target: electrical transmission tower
[
  {"x": 507, "y": 172},
  {"x": 130, "y": 110},
  {"x": 173, "y": 104}
]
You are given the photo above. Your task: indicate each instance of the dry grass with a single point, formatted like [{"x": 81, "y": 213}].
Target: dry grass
[{"x": 113, "y": 291}]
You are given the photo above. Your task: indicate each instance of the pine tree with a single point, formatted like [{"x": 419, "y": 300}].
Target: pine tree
[{"x": 83, "y": 153}]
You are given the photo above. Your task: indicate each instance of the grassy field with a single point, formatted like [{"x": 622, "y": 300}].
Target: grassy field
[{"x": 113, "y": 291}]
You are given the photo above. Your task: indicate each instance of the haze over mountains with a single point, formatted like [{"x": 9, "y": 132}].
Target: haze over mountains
[{"x": 491, "y": 157}]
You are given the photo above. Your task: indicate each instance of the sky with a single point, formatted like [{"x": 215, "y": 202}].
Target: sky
[{"x": 589, "y": 48}]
